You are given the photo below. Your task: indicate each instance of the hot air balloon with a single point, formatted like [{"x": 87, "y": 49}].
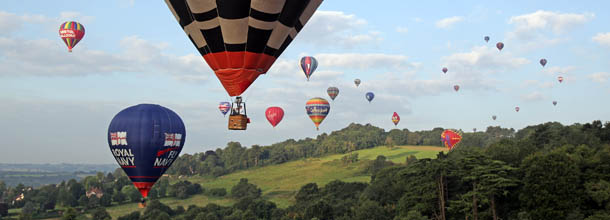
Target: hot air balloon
[
  {"x": 309, "y": 65},
  {"x": 474, "y": 130},
  {"x": 71, "y": 32},
  {"x": 317, "y": 109},
  {"x": 486, "y": 38},
  {"x": 517, "y": 109},
  {"x": 224, "y": 107},
  {"x": 450, "y": 138},
  {"x": 145, "y": 140},
  {"x": 560, "y": 78},
  {"x": 554, "y": 102},
  {"x": 369, "y": 96},
  {"x": 357, "y": 82},
  {"x": 241, "y": 40},
  {"x": 332, "y": 92},
  {"x": 445, "y": 69},
  {"x": 494, "y": 117},
  {"x": 274, "y": 115},
  {"x": 500, "y": 45},
  {"x": 543, "y": 62},
  {"x": 395, "y": 118},
  {"x": 456, "y": 88}
]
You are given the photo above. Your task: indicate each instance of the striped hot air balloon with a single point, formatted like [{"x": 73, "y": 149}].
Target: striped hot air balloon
[
  {"x": 71, "y": 32},
  {"x": 332, "y": 92},
  {"x": 317, "y": 108},
  {"x": 309, "y": 65},
  {"x": 240, "y": 40}
]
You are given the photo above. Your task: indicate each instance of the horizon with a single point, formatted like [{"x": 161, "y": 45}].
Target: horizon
[{"x": 59, "y": 104}]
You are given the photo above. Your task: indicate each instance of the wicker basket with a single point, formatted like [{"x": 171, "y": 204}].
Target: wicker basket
[{"x": 238, "y": 122}]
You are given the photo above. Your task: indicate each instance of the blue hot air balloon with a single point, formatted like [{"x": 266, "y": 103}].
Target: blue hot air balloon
[
  {"x": 145, "y": 140},
  {"x": 370, "y": 96}
]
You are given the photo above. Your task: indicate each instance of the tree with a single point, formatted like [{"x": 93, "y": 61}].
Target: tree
[
  {"x": 105, "y": 200},
  {"x": 101, "y": 214},
  {"x": 83, "y": 201},
  {"x": 132, "y": 193},
  {"x": 119, "y": 197},
  {"x": 245, "y": 189},
  {"x": 69, "y": 214},
  {"x": 389, "y": 142},
  {"x": 370, "y": 210},
  {"x": 28, "y": 210},
  {"x": 551, "y": 185},
  {"x": 131, "y": 216}
]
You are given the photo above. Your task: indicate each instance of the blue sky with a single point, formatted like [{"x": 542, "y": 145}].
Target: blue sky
[{"x": 57, "y": 105}]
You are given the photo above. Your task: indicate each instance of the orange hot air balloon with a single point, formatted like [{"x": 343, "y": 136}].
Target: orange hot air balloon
[
  {"x": 240, "y": 40},
  {"x": 395, "y": 118}
]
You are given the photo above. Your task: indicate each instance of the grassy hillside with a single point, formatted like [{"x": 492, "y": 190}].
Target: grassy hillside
[{"x": 280, "y": 183}]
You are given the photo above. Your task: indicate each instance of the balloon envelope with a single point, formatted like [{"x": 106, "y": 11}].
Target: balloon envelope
[
  {"x": 554, "y": 102},
  {"x": 445, "y": 69},
  {"x": 456, "y": 88},
  {"x": 517, "y": 109},
  {"x": 274, "y": 115},
  {"x": 369, "y": 96},
  {"x": 486, "y": 38},
  {"x": 240, "y": 40},
  {"x": 317, "y": 109},
  {"x": 450, "y": 138},
  {"x": 71, "y": 32},
  {"x": 224, "y": 107},
  {"x": 560, "y": 79},
  {"x": 309, "y": 64},
  {"x": 543, "y": 62},
  {"x": 332, "y": 92},
  {"x": 500, "y": 45},
  {"x": 493, "y": 117},
  {"x": 357, "y": 82},
  {"x": 395, "y": 118},
  {"x": 145, "y": 140}
]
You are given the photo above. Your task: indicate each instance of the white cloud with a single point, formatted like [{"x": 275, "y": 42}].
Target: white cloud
[
  {"x": 559, "y": 70},
  {"x": 533, "y": 97},
  {"x": 75, "y": 16},
  {"x": 557, "y": 22},
  {"x": 448, "y": 22},
  {"x": 602, "y": 38},
  {"x": 600, "y": 77},
  {"x": 402, "y": 30},
  {"x": 44, "y": 57},
  {"x": 337, "y": 29},
  {"x": 483, "y": 57}
]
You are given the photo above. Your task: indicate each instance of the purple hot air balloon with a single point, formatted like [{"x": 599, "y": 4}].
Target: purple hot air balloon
[
  {"x": 543, "y": 62},
  {"x": 486, "y": 38},
  {"x": 445, "y": 69},
  {"x": 500, "y": 45},
  {"x": 554, "y": 102}
]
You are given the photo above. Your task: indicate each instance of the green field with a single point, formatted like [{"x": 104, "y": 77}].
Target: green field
[{"x": 280, "y": 183}]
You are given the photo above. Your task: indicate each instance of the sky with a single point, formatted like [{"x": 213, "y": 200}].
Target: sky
[{"x": 56, "y": 106}]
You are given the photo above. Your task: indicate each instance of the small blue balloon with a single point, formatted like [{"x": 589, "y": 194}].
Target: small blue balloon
[{"x": 370, "y": 96}]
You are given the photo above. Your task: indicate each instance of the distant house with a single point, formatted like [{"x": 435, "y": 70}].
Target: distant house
[
  {"x": 19, "y": 197},
  {"x": 97, "y": 192}
]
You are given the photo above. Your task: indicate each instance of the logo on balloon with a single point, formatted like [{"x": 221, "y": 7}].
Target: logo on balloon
[
  {"x": 118, "y": 138},
  {"x": 316, "y": 110}
]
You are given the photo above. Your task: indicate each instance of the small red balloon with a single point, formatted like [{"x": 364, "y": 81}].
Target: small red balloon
[{"x": 274, "y": 115}]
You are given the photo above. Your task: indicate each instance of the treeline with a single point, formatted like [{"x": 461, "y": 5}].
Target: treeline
[
  {"x": 354, "y": 137},
  {"x": 547, "y": 171},
  {"x": 89, "y": 195}
]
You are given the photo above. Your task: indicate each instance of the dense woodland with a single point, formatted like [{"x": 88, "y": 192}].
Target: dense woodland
[{"x": 546, "y": 171}]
